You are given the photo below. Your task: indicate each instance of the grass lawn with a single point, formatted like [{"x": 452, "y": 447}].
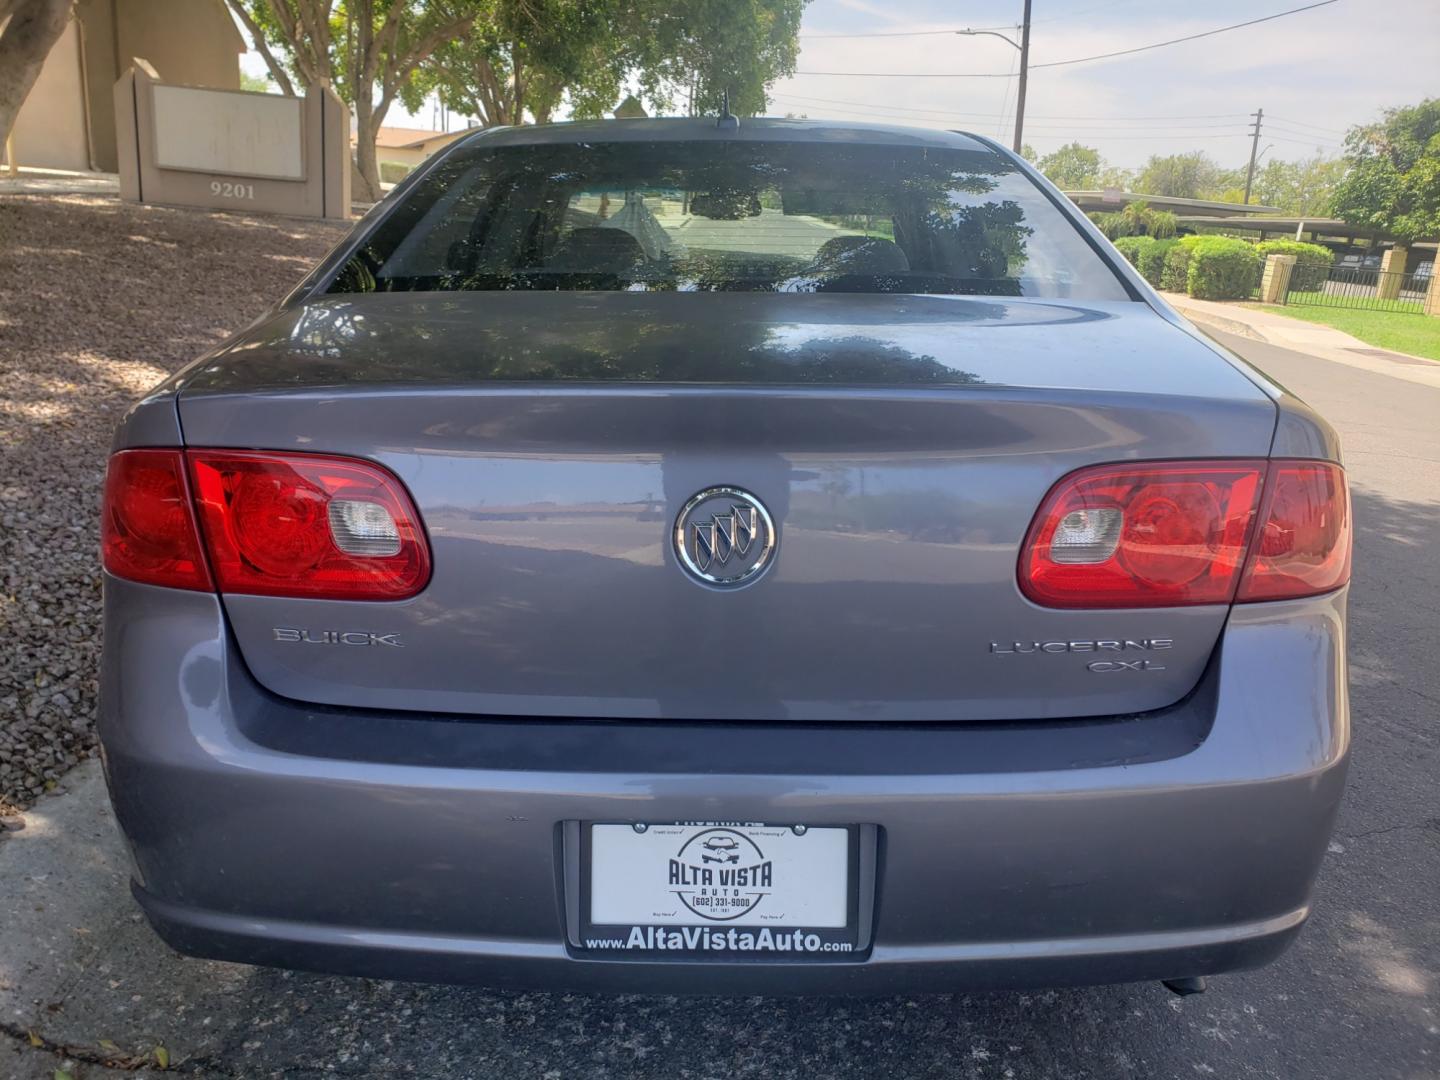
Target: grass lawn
[{"x": 1418, "y": 335}]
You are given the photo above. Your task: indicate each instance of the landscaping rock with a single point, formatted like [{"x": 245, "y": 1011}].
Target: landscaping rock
[{"x": 99, "y": 301}]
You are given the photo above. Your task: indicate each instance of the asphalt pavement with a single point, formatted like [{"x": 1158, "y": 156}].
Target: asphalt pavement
[{"x": 1357, "y": 998}]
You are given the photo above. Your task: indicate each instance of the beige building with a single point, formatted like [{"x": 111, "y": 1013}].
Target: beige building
[
  {"x": 411, "y": 146},
  {"x": 68, "y": 120}
]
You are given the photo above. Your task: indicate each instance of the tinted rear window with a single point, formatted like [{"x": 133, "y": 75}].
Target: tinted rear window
[{"x": 730, "y": 216}]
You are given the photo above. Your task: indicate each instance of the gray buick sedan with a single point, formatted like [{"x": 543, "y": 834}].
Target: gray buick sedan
[{"x": 662, "y": 555}]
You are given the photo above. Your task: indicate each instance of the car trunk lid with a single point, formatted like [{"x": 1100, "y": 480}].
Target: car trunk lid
[{"x": 900, "y": 444}]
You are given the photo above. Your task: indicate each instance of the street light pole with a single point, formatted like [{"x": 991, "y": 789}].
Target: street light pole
[
  {"x": 1024, "y": 74},
  {"x": 1023, "y": 45}
]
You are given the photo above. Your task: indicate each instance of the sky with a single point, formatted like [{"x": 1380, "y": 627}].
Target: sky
[{"x": 1314, "y": 73}]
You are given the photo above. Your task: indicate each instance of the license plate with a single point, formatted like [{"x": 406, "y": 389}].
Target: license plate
[{"x": 720, "y": 888}]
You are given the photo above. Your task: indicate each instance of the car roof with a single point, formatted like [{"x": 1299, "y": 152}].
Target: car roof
[{"x": 751, "y": 129}]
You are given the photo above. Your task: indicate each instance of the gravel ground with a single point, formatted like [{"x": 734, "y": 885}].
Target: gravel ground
[{"x": 99, "y": 301}]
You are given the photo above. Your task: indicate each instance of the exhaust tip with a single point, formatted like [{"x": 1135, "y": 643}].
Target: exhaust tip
[{"x": 1185, "y": 987}]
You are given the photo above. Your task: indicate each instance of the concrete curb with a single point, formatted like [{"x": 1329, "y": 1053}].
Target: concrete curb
[{"x": 1217, "y": 322}]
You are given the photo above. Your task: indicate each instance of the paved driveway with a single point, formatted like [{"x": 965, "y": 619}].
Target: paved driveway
[{"x": 1356, "y": 999}]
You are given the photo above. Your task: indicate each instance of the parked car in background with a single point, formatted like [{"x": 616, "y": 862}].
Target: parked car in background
[{"x": 668, "y": 556}]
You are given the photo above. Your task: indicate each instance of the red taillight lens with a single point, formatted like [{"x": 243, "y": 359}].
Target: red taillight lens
[
  {"x": 1304, "y": 547},
  {"x": 1178, "y": 533},
  {"x": 1155, "y": 535},
  {"x": 147, "y": 530},
  {"x": 308, "y": 525}
]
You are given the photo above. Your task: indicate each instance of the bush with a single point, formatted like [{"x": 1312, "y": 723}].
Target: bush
[
  {"x": 1222, "y": 268},
  {"x": 1175, "y": 270},
  {"x": 1132, "y": 246},
  {"x": 392, "y": 172},
  {"x": 1312, "y": 262},
  {"x": 1151, "y": 262}
]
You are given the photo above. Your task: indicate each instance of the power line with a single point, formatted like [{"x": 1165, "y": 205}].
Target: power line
[
  {"x": 1233, "y": 116},
  {"x": 901, "y": 33},
  {"x": 1190, "y": 37},
  {"x": 1304, "y": 124},
  {"x": 1075, "y": 60}
]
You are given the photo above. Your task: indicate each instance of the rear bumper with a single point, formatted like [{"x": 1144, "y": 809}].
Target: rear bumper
[{"x": 1176, "y": 844}]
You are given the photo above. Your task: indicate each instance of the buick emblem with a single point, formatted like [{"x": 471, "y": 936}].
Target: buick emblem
[{"x": 724, "y": 537}]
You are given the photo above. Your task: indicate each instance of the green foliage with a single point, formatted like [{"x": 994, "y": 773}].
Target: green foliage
[
  {"x": 1182, "y": 176},
  {"x": 1073, "y": 167},
  {"x": 1137, "y": 219},
  {"x": 1112, "y": 225},
  {"x": 1132, "y": 246},
  {"x": 1028, "y": 153},
  {"x": 256, "y": 84},
  {"x": 368, "y": 50},
  {"x": 1162, "y": 224},
  {"x": 1312, "y": 261},
  {"x": 1222, "y": 268},
  {"x": 1299, "y": 187},
  {"x": 1113, "y": 176},
  {"x": 584, "y": 53},
  {"x": 1394, "y": 178},
  {"x": 1151, "y": 261},
  {"x": 1175, "y": 269},
  {"x": 392, "y": 172},
  {"x": 1147, "y": 255}
]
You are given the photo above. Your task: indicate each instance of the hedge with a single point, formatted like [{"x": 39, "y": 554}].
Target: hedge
[
  {"x": 1312, "y": 261},
  {"x": 1151, "y": 262},
  {"x": 1176, "y": 267},
  {"x": 392, "y": 172},
  {"x": 1222, "y": 268},
  {"x": 1132, "y": 246}
]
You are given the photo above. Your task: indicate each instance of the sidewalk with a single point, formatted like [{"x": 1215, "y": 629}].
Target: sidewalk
[
  {"x": 1313, "y": 339},
  {"x": 35, "y": 181}
]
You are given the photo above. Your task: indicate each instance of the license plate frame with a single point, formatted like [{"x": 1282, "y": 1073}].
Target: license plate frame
[{"x": 694, "y": 938}]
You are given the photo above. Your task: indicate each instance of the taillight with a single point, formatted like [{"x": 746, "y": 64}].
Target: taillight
[
  {"x": 1142, "y": 535},
  {"x": 147, "y": 530},
  {"x": 1304, "y": 546},
  {"x": 1178, "y": 533},
  {"x": 308, "y": 525}
]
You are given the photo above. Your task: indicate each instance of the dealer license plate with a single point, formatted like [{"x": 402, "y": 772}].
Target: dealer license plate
[{"x": 720, "y": 888}]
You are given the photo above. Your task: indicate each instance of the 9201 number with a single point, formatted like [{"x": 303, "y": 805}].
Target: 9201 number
[{"x": 227, "y": 190}]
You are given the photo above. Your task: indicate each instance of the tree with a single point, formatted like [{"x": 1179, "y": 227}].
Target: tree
[
  {"x": 368, "y": 51},
  {"x": 1073, "y": 167},
  {"x": 1393, "y": 183},
  {"x": 583, "y": 52},
  {"x": 1028, "y": 153},
  {"x": 705, "y": 49},
  {"x": 527, "y": 55},
  {"x": 256, "y": 84},
  {"x": 1181, "y": 176},
  {"x": 1112, "y": 176},
  {"x": 26, "y": 39},
  {"x": 1305, "y": 188}
]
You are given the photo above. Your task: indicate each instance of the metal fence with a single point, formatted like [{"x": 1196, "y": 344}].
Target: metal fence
[{"x": 1368, "y": 290}]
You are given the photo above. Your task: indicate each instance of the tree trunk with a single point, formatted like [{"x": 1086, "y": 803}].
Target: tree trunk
[
  {"x": 33, "y": 29},
  {"x": 367, "y": 130}
]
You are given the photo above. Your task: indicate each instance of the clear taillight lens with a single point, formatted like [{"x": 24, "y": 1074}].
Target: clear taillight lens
[
  {"x": 308, "y": 525},
  {"x": 1168, "y": 534}
]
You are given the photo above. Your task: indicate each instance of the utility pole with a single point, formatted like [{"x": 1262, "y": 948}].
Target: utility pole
[
  {"x": 1259, "y": 115},
  {"x": 1024, "y": 74}
]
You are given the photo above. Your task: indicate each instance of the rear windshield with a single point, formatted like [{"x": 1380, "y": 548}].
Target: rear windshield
[{"x": 730, "y": 216}]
